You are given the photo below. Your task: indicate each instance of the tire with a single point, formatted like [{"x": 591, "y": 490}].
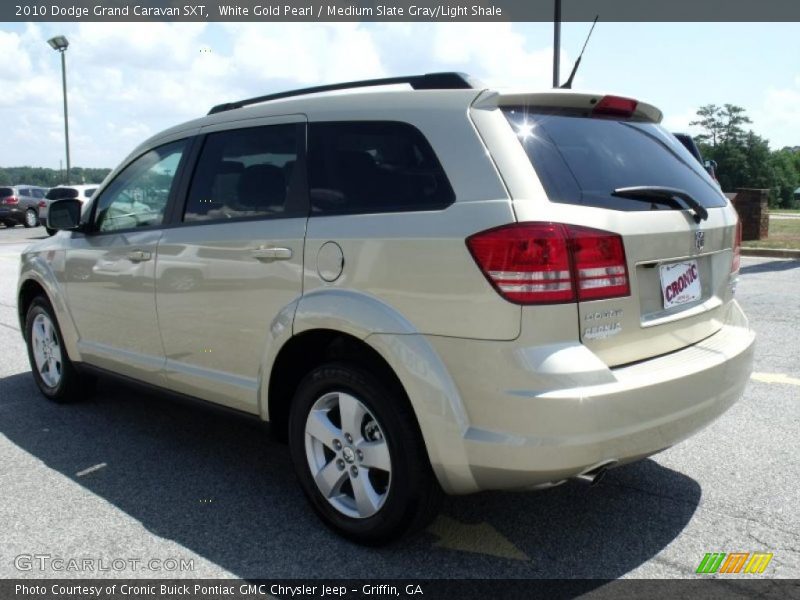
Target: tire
[
  {"x": 51, "y": 232},
  {"x": 398, "y": 497},
  {"x": 54, "y": 373},
  {"x": 31, "y": 219}
]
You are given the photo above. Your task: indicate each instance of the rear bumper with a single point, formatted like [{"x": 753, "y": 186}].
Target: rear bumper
[
  {"x": 544, "y": 414},
  {"x": 17, "y": 215}
]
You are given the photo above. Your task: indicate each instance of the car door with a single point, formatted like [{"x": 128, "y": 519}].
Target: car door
[
  {"x": 110, "y": 267},
  {"x": 226, "y": 273}
]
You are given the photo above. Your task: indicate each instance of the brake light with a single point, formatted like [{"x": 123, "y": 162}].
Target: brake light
[
  {"x": 548, "y": 263},
  {"x": 42, "y": 203},
  {"x": 737, "y": 248},
  {"x": 10, "y": 200},
  {"x": 615, "y": 106}
]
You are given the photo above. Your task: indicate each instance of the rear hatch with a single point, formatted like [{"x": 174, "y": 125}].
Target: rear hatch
[
  {"x": 605, "y": 163},
  {"x": 61, "y": 193}
]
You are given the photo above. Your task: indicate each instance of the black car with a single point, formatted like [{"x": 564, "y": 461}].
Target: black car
[{"x": 689, "y": 143}]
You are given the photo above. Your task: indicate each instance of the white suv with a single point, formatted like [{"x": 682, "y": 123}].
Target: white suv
[
  {"x": 82, "y": 192},
  {"x": 441, "y": 288}
]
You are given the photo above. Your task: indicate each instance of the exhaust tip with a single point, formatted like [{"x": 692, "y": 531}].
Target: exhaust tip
[{"x": 593, "y": 475}]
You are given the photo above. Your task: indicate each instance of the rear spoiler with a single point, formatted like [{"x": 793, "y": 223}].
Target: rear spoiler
[{"x": 568, "y": 100}]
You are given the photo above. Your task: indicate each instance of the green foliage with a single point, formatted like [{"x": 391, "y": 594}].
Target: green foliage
[
  {"x": 744, "y": 158},
  {"x": 49, "y": 177}
]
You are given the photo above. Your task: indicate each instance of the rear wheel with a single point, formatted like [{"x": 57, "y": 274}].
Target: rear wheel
[
  {"x": 51, "y": 231},
  {"x": 31, "y": 218},
  {"x": 359, "y": 456},
  {"x": 52, "y": 369}
]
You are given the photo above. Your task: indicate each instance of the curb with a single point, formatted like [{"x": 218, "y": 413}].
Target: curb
[{"x": 771, "y": 252}]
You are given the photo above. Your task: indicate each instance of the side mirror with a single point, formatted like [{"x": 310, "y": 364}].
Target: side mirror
[{"x": 64, "y": 214}]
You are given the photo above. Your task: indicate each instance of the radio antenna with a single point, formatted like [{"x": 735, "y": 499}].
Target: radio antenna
[{"x": 568, "y": 84}]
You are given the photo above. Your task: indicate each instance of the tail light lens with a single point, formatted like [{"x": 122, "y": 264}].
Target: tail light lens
[
  {"x": 42, "y": 203},
  {"x": 548, "y": 263},
  {"x": 10, "y": 200},
  {"x": 737, "y": 248}
]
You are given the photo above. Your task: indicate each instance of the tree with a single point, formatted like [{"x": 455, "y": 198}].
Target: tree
[
  {"x": 710, "y": 120},
  {"x": 721, "y": 124},
  {"x": 733, "y": 117},
  {"x": 743, "y": 157}
]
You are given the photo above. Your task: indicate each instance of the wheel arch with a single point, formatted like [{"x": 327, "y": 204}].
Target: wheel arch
[
  {"x": 309, "y": 349},
  {"x": 33, "y": 284}
]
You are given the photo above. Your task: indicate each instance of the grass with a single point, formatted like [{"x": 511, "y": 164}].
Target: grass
[
  {"x": 783, "y": 233},
  {"x": 785, "y": 211}
]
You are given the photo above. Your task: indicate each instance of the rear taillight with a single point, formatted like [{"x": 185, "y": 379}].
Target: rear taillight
[
  {"x": 10, "y": 200},
  {"x": 42, "y": 203},
  {"x": 737, "y": 248},
  {"x": 600, "y": 266},
  {"x": 615, "y": 106},
  {"x": 547, "y": 263}
]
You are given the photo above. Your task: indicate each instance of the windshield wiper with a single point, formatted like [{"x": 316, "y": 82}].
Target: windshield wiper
[{"x": 657, "y": 192}]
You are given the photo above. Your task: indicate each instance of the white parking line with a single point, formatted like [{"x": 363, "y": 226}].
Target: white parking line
[
  {"x": 775, "y": 378},
  {"x": 91, "y": 470}
]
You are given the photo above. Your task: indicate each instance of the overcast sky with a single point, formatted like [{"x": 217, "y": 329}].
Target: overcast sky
[{"x": 128, "y": 81}]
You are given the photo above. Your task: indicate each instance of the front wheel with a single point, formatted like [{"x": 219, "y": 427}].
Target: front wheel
[
  {"x": 52, "y": 369},
  {"x": 359, "y": 455}
]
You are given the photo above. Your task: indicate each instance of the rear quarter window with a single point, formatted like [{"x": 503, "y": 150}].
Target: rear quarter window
[
  {"x": 374, "y": 167},
  {"x": 582, "y": 160},
  {"x": 61, "y": 193}
]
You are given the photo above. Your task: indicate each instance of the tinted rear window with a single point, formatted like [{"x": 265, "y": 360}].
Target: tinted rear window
[
  {"x": 61, "y": 193},
  {"x": 583, "y": 160},
  {"x": 374, "y": 167},
  {"x": 6, "y": 192}
]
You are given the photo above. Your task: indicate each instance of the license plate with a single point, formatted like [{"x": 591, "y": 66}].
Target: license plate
[{"x": 680, "y": 283}]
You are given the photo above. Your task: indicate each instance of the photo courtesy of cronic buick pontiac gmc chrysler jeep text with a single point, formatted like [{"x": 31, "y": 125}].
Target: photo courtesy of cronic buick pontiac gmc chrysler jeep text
[{"x": 428, "y": 287}]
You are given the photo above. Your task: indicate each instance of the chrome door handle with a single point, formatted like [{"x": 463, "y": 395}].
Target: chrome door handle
[
  {"x": 272, "y": 253},
  {"x": 139, "y": 255}
]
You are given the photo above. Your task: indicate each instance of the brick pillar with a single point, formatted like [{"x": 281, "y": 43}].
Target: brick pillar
[{"x": 752, "y": 206}]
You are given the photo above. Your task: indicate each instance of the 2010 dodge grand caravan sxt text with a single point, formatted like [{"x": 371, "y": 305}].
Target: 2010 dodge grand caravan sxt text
[{"x": 442, "y": 288}]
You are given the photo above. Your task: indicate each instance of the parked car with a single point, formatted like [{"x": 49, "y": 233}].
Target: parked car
[
  {"x": 19, "y": 205},
  {"x": 457, "y": 288},
  {"x": 82, "y": 192},
  {"x": 688, "y": 142}
]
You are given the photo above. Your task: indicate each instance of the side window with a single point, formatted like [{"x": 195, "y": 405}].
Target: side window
[
  {"x": 138, "y": 195},
  {"x": 374, "y": 166},
  {"x": 246, "y": 173},
  {"x": 37, "y": 192}
]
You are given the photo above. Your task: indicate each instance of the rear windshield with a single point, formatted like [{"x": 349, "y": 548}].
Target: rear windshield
[
  {"x": 61, "y": 193},
  {"x": 583, "y": 160},
  {"x": 6, "y": 192}
]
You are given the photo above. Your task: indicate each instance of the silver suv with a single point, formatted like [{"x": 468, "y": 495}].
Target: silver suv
[{"x": 442, "y": 288}]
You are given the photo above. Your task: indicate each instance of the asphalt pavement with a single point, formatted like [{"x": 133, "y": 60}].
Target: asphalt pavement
[{"x": 132, "y": 476}]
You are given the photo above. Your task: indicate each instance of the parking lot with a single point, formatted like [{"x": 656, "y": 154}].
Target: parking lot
[{"x": 131, "y": 475}]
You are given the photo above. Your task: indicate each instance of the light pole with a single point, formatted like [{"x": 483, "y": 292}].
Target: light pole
[
  {"x": 556, "y": 42},
  {"x": 61, "y": 44}
]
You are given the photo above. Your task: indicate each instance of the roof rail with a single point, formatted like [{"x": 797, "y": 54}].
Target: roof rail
[{"x": 429, "y": 81}]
